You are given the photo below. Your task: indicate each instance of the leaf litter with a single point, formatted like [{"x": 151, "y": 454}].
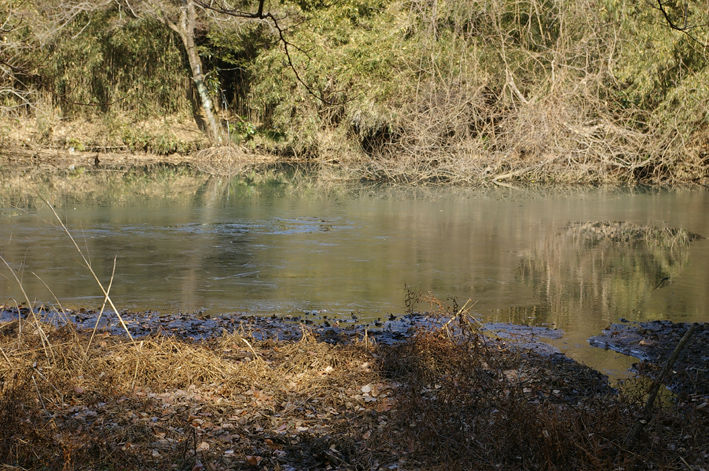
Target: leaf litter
[{"x": 443, "y": 396}]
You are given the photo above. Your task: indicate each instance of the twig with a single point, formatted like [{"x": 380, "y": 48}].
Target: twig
[
  {"x": 61, "y": 308},
  {"x": 514, "y": 173},
  {"x": 36, "y": 370},
  {"x": 19, "y": 322},
  {"x": 103, "y": 306},
  {"x": 252, "y": 350},
  {"x": 685, "y": 463},
  {"x": 42, "y": 334},
  {"x": 194, "y": 443},
  {"x": 6, "y": 357},
  {"x": 685, "y": 28},
  {"x": 457, "y": 314},
  {"x": 645, "y": 414},
  {"x": 137, "y": 364},
  {"x": 659, "y": 285},
  {"x": 87, "y": 264},
  {"x": 283, "y": 40},
  {"x": 40, "y": 396}
]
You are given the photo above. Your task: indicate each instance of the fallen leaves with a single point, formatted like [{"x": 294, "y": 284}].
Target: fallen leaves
[
  {"x": 177, "y": 404},
  {"x": 174, "y": 401}
]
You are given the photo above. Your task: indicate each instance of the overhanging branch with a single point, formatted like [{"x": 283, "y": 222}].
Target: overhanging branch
[
  {"x": 287, "y": 45},
  {"x": 686, "y": 28}
]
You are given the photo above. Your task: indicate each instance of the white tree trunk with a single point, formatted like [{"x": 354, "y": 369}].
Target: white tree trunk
[{"x": 185, "y": 29}]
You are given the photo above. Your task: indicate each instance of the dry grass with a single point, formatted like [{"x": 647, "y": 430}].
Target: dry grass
[
  {"x": 230, "y": 161},
  {"x": 436, "y": 401},
  {"x": 119, "y": 132},
  {"x": 120, "y": 404},
  {"x": 506, "y": 98}
]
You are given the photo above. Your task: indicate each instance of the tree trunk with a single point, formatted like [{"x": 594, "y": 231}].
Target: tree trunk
[{"x": 185, "y": 29}]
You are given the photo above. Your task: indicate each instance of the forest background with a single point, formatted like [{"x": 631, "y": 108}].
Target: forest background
[{"x": 468, "y": 91}]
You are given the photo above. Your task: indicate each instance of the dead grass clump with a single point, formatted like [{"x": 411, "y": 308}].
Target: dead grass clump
[
  {"x": 468, "y": 405},
  {"x": 224, "y": 161},
  {"x": 439, "y": 400},
  {"x": 170, "y": 403}
]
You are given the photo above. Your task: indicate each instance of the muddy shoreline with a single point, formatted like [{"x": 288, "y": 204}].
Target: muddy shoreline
[
  {"x": 197, "y": 326},
  {"x": 650, "y": 342},
  {"x": 416, "y": 392},
  {"x": 653, "y": 342}
]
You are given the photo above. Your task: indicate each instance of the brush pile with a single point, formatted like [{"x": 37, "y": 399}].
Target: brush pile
[{"x": 70, "y": 399}]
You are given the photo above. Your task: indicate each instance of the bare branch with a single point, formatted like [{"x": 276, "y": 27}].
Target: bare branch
[
  {"x": 686, "y": 28},
  {"x": 281, "y": 33}
]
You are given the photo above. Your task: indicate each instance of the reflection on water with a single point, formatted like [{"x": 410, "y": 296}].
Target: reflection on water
[
  {"x": 610, "y": 269},
  {"x": 188, "y": 242}
]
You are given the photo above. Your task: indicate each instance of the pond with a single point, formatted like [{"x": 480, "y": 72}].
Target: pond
[{"x": 186, "y": 242}]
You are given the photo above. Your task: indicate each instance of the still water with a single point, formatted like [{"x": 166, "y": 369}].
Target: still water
[{"x": 577, "y": 260}]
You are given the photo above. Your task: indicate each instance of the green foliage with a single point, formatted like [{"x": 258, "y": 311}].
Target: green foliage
[
  {"x": 654, "y": 59},
  {"x": 368, "y": 71},
  {"x": 478, "y": 78},
  {"x": 98, "y": 66},
  {"x": 75, "y": 144},
  {"x": 344, "y": 62},
  {"x": 603, "y": 90},
  {"x": 238, "y": 46},
  {"x": 241, "y": 131}
]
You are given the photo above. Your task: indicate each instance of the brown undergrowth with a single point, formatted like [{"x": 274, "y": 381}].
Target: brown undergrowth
[{"x": 436, "y": 401}]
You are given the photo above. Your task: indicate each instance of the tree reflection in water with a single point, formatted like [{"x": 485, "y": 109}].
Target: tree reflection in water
[{"x": 607, "y": 267}]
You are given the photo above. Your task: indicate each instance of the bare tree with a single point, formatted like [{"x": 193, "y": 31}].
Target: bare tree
[
  {"x": 186, "y": 17},
  {"x": 182, "y": 17},
  {"x": 185, "y": 27}
]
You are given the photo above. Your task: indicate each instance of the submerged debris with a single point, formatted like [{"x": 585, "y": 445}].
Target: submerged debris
[
  {"x": 280, "y": 328},
  {"x": 200, "y": 327}
]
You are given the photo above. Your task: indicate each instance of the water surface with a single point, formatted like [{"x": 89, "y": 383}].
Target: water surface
[{"x": 541, "y": 258}]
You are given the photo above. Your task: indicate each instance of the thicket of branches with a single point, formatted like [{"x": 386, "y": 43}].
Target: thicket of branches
[{"x": 415, "y": 91}]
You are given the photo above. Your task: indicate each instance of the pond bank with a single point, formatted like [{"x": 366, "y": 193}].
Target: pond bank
[
  {"x": 235, "y": 161},
  {"x": 198, "y": 326},
  {"x": 653, "y": 343},
  {"x": 650, "y": 342},
  {"x": 244, "y": 400}
]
